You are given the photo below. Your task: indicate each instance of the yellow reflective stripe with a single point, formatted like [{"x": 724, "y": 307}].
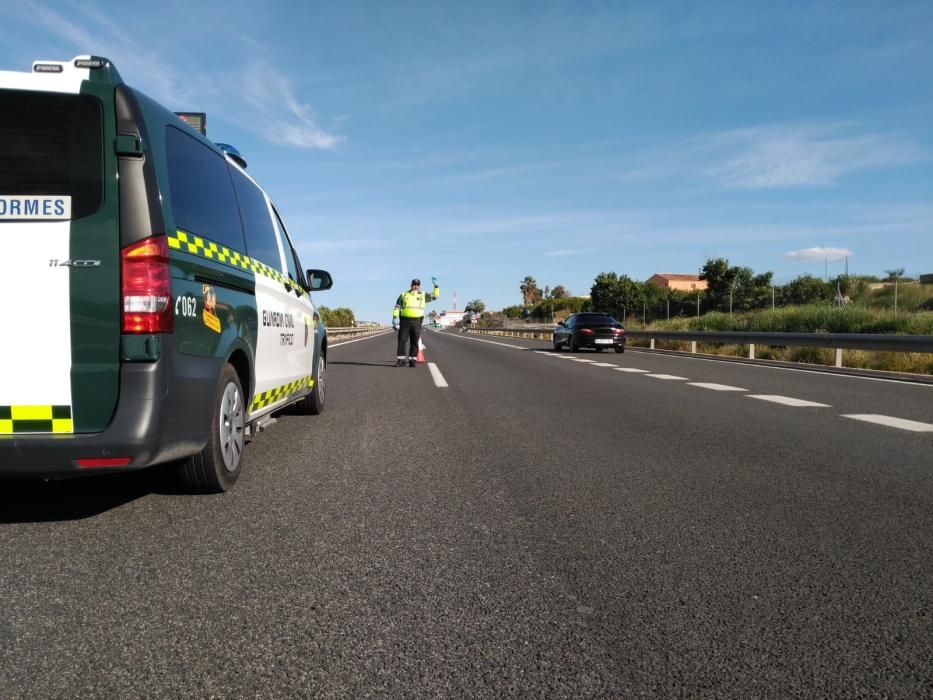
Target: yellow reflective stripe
[
  {"x": 32, "y": 412},
  {"x": 205, "y": 248},
  {"x": 269, "y": 397},
  {"x": 33, "y": 418}
]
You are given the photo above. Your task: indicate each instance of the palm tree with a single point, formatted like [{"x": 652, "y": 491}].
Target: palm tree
[
  {"x": 530, "y": 290},
  {"x": 476, "y": 306}
]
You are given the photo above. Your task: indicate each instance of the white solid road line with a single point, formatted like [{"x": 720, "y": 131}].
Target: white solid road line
[
  {"x": 436, "y": 375},
  {"x": 891, "y": 422},
  {"x": 356, "y": 340},
  {"x": 631, "y": 369},
  {"x": 580, "y": 359},
  {"x": 480, "y": 340},
  {"x": 716, "y": 387},
  {"x": 603, "y": 364},
  {"x": 787, "y": 401},
  {"x": 666, "y": 376}
]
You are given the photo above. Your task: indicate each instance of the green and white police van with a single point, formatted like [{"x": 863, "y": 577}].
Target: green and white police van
[{"x": 152, "y": 309}]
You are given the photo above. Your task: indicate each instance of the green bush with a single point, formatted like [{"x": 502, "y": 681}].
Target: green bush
[
  {"x": 337, "y": 318},
  {"x": 813, "y": 318}
]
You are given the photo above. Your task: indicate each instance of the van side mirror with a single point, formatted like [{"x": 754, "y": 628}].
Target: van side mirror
[{"x": 319, "y": 280}]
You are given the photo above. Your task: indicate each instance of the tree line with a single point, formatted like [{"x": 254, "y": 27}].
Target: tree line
[
  {"x": 341, "y": 317},
  {"x": 730, "y": 288}
]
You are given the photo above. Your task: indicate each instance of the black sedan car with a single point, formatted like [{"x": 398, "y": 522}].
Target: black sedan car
[{"x": 590, "y": 330}]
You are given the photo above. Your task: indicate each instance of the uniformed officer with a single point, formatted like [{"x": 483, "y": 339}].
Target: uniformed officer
[{"x": 409, "y": 313}]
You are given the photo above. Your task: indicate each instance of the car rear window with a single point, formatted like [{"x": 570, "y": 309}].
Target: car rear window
[
  {"x": 595, "y": 318},
  {"x": 52, "y": 144}
]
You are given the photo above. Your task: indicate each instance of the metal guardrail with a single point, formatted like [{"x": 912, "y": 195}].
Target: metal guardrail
[
  {"x": 354, "y": 331},
  {"x": 840, "y": 341},
  {"x": 836, "y": 341}
]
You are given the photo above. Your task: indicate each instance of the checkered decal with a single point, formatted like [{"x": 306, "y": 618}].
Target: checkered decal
[
  {"x": 35, "y": 419},
  {"x": 189, "y": 243},
  {"x": 268, "y": 398}
]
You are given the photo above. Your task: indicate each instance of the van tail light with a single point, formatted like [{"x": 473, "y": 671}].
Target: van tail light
[{"x": 147, "y": 287}]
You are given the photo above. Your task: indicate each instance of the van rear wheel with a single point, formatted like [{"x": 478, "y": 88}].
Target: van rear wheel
[{"x": 217, "y": 467}]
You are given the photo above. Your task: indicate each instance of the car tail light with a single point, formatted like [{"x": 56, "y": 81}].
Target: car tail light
[
  {"x": 147, "y": 287},
  {"x": 619, "y": 331},
  {"x": 586, "y": 331},
  {"x": 103, "y": 462}
]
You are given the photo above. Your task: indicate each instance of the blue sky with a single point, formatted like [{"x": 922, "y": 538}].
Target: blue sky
[{"x": 482, "y": 142}]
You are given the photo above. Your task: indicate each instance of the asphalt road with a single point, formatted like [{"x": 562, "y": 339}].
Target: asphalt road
[{"x": 539, "y": 526}]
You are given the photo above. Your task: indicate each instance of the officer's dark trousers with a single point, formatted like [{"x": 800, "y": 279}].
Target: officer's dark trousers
[{"x": 409, "y": 331}]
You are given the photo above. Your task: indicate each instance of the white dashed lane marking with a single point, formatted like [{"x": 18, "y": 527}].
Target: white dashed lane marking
[
  {"x": 716, "y": 387},
  {"x": 891, "y": 422},
  {"x": 787, "y": 401},
  {"x": 436, "y": 375},
  {"x": 887, "y": 421}
]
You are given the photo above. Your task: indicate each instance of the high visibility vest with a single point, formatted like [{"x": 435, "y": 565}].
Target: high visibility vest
[{"x": 411, "y": 304}]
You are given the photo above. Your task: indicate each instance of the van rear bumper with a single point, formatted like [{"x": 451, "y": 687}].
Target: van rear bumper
[{"x": 155, "y": 421}]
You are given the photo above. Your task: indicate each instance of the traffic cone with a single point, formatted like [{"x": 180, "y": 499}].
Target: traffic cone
[{"x": 420, "y": 357}]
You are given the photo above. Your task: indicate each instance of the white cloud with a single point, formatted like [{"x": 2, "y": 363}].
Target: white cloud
[
  {"x": 778, "y": 156},
  {"x": 285, "y": 118},
  {"x": 257, "y": 98},
  {"x": 805, "y": 156},
  {"x": 818, "y": 253}
]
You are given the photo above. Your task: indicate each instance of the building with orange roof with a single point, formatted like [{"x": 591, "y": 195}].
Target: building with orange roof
[{"x": 677, "y": 282}]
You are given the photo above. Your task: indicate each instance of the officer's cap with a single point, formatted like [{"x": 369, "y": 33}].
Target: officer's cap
[{"x": 415, "y": 281}]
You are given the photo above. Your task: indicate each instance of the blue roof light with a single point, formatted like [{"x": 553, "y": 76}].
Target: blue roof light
[{"x": 233, "y": 153}]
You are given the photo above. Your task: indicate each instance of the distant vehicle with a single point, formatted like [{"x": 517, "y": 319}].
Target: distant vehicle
[
  {"x": 164, "y": 312},
  {"x": 590, "y": 330}
]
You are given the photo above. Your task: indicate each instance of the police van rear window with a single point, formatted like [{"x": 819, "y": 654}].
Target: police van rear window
[{"x": 51, "y": 152}]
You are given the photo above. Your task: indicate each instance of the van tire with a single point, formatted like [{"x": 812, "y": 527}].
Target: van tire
[
  {"x": 217, "y": 467},
  {"x": 313, "y": 403}
]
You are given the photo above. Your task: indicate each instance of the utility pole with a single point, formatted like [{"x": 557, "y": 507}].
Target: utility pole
[
  {"x": 895, "y": 298},
  {"x": 668, "y": 308},
  {"x": 772, "y": 297},
  {"x": 644, "y": 314},
  {"x": 698, "y": 303}
]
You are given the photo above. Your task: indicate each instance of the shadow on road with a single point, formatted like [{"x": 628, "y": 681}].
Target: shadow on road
[
  {"x": 36, "y": 501},
  {"x": 366, "y": 364}
]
